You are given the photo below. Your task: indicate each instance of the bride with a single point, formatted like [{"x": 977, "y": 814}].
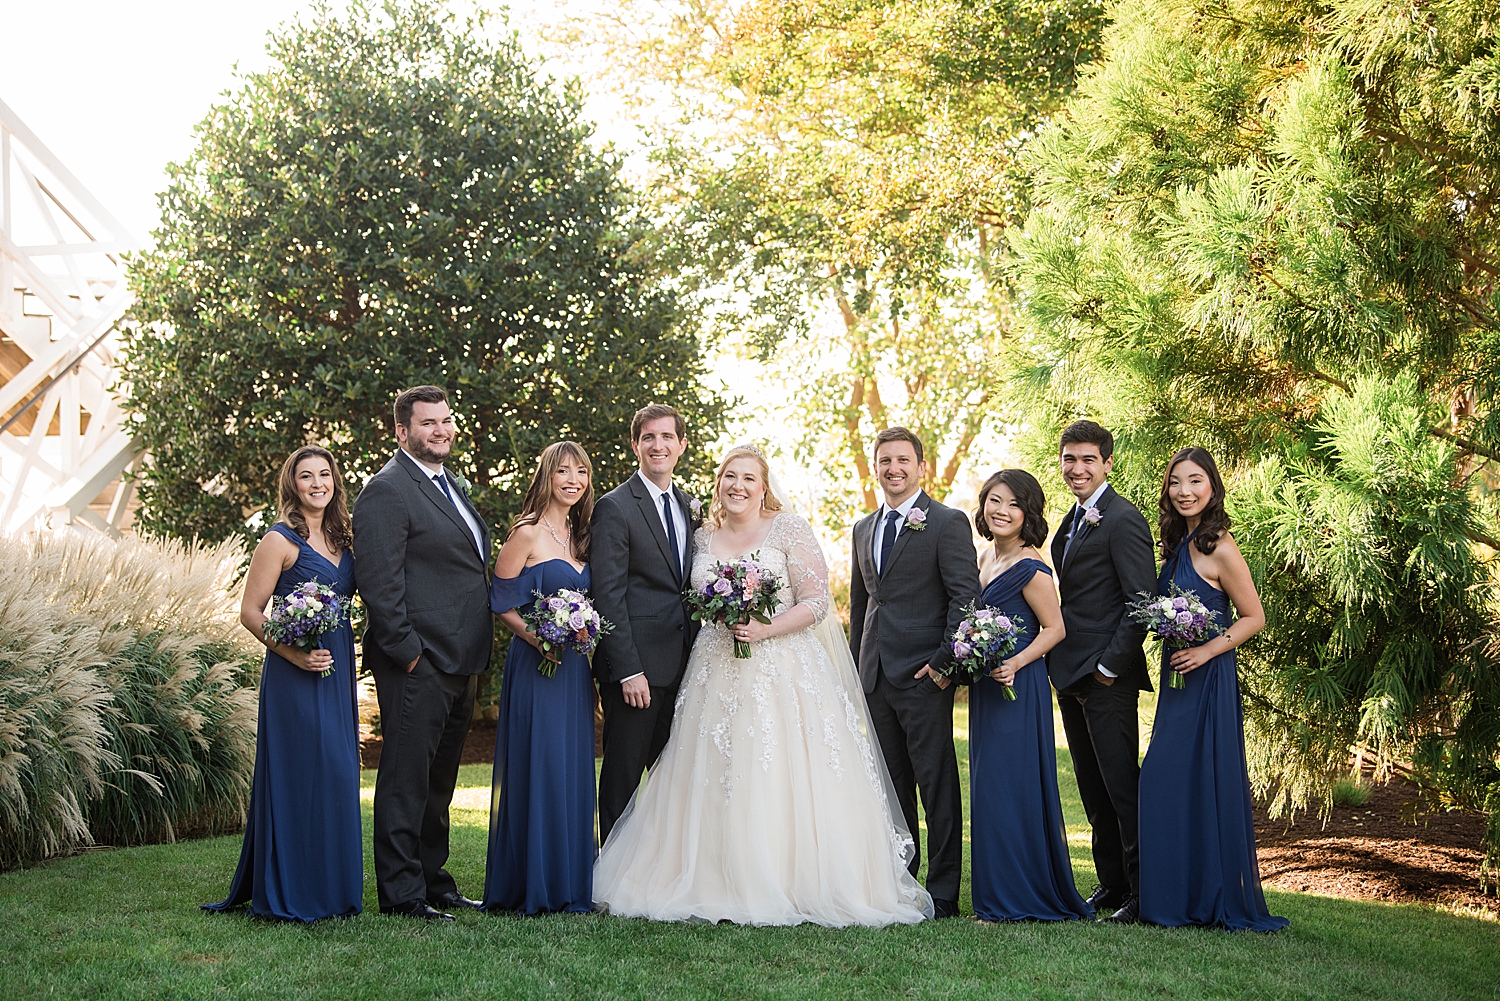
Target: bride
[{"x": 770, "y": 804}]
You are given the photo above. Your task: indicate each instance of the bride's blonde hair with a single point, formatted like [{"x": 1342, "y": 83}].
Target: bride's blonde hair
[{"x": 767, "y": 503}]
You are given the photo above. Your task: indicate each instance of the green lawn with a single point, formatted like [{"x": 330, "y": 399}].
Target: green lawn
[{"x": 124, "y": 924}]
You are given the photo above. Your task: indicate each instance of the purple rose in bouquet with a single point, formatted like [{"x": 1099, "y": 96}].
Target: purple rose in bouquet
[
  {"x": 301, "y": 617},
  {"x": 1179, "y": 620},
  {"x": 980, "y": 644},
  {"x": 564, "y": 621},
  {"x": 735, "y": 593}
]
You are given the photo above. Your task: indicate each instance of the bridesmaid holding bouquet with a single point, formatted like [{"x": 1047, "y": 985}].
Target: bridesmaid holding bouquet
[
  {"x": 303, "y": 857},
  {"x": 1021, "y": 868},
  {"x": 1198, "y": 864},
  {"x": 542, "y": 848}
]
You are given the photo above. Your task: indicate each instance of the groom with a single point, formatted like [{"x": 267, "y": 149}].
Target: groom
[
  {"x": 914, "y": 571},
  {"x": 641, "y": 552},
  {"x": 423, "y": 571},
  {"x": 1102, "y": 551}
]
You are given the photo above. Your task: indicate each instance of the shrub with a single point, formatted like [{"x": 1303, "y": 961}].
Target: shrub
[{"x": 127, "y": 693}]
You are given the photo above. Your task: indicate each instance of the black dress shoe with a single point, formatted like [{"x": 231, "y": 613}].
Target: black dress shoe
[
  {"x": 455, "y": 901},
  {"x": 1107, "y": 901},
  {"x": 416, "y": 909},
  {"x": 944, "y": 908},
  {"x": 1129, "y": 914}
]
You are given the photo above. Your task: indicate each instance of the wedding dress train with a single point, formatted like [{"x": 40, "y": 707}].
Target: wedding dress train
[{"x": 770, "y": 804}]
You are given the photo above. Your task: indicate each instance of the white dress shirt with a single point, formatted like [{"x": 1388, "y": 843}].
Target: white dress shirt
[
  {"x": 447, "y": 489},
  {"x": 679, "y": 523},
  {"x": 1088, "y": 505},
  {"x": 904, "y": 509}
]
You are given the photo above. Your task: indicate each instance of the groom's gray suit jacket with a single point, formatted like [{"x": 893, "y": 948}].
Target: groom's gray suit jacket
[
  {"x": 633, "y": 587},
  {"x": 1106, "y": 567},
  {"x": 425, "y": 584},
  {"x": 903, "y": 617}
]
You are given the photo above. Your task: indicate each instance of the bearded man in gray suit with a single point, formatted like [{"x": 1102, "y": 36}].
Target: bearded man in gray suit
[
  {"x": 423, "y": 572},
  {"x": 914, "y": 571}
]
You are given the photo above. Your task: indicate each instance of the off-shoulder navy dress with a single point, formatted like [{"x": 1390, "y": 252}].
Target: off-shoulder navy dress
[
  {"x": 1021, "y": 868},
  {"x": 542, "y": 847},
  {"x": 303, "y": 856},
  {"x": 1198, "y": 864}
]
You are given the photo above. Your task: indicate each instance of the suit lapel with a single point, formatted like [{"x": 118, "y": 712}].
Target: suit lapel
[
  {"x": 430, "y": 490},
  {"x": 652, "y": 516},
  {"x": 1101, "y": 505},
  {"x": 1060, "y": 539},
  {"x": 904, "y": 532}
]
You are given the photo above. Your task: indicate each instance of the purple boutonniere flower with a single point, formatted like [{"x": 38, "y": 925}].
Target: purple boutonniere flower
[
  {"x": 1092, "y": 516},
  {"x": 916, "y": 520},
  {"x": 696, "y": 506}
]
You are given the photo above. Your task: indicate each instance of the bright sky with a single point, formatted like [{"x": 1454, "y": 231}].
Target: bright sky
[{"x": 114, "y": 88}]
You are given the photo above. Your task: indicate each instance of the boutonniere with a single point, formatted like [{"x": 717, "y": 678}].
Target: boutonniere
[
  {"x": 916, "y": 520},
  {"x": 696, "y": 506},
  {"x": 1092, "y": 516}
]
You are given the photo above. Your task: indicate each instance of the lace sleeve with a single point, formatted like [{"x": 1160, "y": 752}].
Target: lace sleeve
[{"x": 806, "y": 569}]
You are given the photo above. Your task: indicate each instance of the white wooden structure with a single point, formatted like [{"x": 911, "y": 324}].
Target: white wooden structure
[{"x": 63, "y": 441}]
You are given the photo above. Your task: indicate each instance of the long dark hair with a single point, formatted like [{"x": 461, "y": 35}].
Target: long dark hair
[
  {"x": 1171, "y": 526},
  {"x": 539, "y": 494},
  {"x": 1028, "y": 493},
  {"x": 338, "y": 529}
]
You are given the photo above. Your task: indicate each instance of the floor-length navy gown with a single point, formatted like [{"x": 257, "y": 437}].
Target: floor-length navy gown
[
  {"x": 1198, "y": 864},
  {"x": 303, "y": 855},
  {"x": 542, "y": 847},
  {"x": 1021, "y": 868}
]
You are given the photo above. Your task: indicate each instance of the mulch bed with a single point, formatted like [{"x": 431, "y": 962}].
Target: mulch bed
[
  {"x": 1371, "y": 853},
  {"x": 479, "y": 747}
]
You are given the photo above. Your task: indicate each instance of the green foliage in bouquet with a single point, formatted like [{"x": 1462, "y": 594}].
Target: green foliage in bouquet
[
  {"x": 127, "y": 694},
  {"x": 1269, "y": 229},
  {"x": 399, "y": 199}
]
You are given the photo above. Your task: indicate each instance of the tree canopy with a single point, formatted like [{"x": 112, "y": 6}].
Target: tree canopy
[
  {"x": 398, "y": 200},
  {"x": 1268, "y": 228}
]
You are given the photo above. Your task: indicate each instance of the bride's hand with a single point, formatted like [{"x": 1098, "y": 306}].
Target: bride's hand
[{"x": 751, "y": 632}]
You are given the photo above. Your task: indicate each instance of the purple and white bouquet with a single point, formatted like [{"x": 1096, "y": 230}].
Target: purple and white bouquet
[
  {"x": 564, "y": 621},
  {"x": 300, "y": 618},
  {"x": 981, "y": 643},
  {"x": 735, "y": 593},
  {"x": 1179, "y": 620}
]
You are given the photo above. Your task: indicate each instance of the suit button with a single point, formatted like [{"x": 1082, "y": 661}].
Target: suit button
[
  {"x": 679, "y": 629},
  {"x": 880, "y": 601}
]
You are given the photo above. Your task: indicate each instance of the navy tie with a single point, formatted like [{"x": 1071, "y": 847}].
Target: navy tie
[
  {"x": 442, "y": 482},
  {"x": 1074, "y": 529},
  {"x": 666, "y": 514},
  {"x": 888, "y": 540}
]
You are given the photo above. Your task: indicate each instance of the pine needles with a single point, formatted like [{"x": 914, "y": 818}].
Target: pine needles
[{"x": 127, "y": 694}]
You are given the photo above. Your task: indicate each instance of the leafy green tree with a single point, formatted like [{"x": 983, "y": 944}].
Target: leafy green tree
[
  {"x": 854, "y": 163},
  {"x": 398, "y": 200},
  {"x": 1268, "y": 228}
]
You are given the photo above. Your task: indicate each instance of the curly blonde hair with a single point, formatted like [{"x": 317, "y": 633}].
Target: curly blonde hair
[{"x": 768, "y": 502}]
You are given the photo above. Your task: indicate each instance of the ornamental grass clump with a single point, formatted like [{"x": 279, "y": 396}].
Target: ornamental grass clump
[{"x": 127, "y": 694}]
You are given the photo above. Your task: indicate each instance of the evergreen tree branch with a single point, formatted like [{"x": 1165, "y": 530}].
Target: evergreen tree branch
[{"x": 1468, "y": 445}]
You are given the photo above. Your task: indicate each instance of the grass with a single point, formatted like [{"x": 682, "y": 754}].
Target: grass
[
  {"x": 124, "y": 924},
  {"x": 1350, "y": 792}
]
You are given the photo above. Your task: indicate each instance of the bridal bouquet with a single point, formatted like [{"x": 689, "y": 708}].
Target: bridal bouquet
[
  {"x": 300, "y": 618},
  {"x": 980, "y": 643},
  {"x": 564, "y": 621},
  {"x": 735, "y": 593},
  {"x": 1179, "y": 620}
]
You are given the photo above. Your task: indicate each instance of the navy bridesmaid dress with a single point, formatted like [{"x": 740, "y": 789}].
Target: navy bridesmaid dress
[
  {"x": 303, "y": 855},
  {"x": 1021, "y": 868},
  {"x": 542, "y": 848},
  {"x": 1198, "y": 864}
]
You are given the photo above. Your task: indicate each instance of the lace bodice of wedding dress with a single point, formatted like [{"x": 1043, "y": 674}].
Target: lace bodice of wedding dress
[{"x": 769, "y": 804}]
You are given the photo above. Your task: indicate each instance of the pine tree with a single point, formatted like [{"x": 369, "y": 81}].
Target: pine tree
[{"x": 1268, "y": 228}]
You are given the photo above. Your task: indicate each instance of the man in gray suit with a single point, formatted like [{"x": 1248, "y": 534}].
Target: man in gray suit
[
  {"x": 914, "y": 571},
  {"x": 640, "y": 554},
  {"x": 423, "y": 571},
  {"x": 1102, "y": 551}
]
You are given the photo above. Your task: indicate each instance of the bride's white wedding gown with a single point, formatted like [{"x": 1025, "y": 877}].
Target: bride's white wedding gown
[{"x": 770, "y": 804}]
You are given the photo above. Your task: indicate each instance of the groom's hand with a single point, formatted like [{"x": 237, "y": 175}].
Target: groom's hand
[
  {"x": 637, "y": 692},
  {"x": 928, "y": 672}
]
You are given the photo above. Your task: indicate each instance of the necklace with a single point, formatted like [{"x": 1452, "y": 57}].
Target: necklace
[{"x": 566, "y": 540}]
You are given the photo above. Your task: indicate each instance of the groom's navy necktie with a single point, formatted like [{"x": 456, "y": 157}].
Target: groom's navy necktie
[
  {"x": 888, "y": 540},
  {"x": 442, "y": 482},
  {"x": 666, "y": 514}
]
